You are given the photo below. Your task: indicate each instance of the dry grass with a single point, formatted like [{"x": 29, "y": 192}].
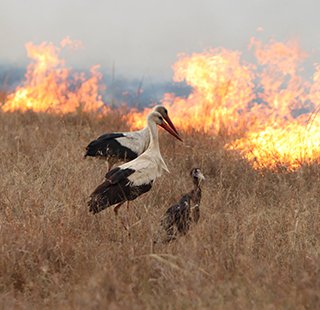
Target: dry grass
[{"x": 256, "y": 245}]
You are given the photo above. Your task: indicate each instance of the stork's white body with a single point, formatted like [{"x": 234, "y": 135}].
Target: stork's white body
[
  {"x": 150, "y": 164},
  {"x": 136, "y": 141}
]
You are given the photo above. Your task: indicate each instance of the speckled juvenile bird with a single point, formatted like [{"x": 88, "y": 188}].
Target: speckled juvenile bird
[{"x": 178, "y": 217}]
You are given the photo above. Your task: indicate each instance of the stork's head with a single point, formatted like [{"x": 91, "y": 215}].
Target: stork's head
[
  {"x": 157, "y": 118},
  {"x": 197, "y": 175},
  {"x": 164, "y": 113}
]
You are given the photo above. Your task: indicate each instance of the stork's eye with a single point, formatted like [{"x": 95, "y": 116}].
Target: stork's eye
[
  {"x": 160, "y": 118},
  {"x": 166, "y": 111}
]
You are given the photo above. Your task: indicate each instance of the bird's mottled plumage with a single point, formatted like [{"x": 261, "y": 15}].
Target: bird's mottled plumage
[{"x": 178, "y": 217}]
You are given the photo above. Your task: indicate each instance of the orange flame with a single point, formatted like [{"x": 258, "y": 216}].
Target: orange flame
[
  {"x": 286, "y": 132},
  {"x": 221, "y": 86},
  {"x": 49, "y": 85},
  {"x": 268, "y": 109},
  {"x": 265, "y": 101}
]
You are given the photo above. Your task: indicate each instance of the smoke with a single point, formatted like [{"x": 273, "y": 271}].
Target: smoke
[{"x": 118, "y": 90}]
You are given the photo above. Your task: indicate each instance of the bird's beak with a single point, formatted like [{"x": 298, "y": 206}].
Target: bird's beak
[
  {"x": 168, "y": 120},
  {"x": 170, "y": 130},
  {"x": 201, "y": 176}
]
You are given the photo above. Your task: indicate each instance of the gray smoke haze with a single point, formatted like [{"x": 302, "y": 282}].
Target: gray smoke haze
[{"x": 144, "y": 37}]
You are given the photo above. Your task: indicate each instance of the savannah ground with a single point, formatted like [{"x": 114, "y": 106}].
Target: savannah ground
[{"x": 256, "y": 245}]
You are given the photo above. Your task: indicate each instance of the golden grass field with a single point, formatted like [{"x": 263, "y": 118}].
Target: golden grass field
[{"x": 256, "y": 246}]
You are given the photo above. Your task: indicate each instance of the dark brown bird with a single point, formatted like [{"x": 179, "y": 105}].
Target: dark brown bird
[{"x": 178, "y": 217}]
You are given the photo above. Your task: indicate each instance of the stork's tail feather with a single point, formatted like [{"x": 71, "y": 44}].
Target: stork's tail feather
[
  {"x": 96, "y": 204},
  {"x": 99, "y": 199},
  {"x": 93, "y": 207}
]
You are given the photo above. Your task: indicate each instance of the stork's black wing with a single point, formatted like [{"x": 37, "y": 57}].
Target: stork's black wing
[
  {"x": 117, "y": 174},
  {"x": 108, "y": 146},
  {"x": 115, "y": 189}
]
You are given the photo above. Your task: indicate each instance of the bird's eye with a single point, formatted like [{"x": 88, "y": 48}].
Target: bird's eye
[
  {"x": 160, "y": 118},
  {"x": 166, "y": 111}
]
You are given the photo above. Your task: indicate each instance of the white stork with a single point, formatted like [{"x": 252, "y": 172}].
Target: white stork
[
  {"x": 132, "y": 179},
  {"x": 125, "y": 146}
]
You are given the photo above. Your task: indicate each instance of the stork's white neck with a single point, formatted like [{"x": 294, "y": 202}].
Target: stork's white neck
[
  {"x": 154, "y": 146},
  {"x": 154, "y": 137}
]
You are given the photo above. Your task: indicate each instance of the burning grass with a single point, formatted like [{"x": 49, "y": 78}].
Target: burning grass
[
  {"x": 266, "y": 104},
  {"x": 256, "y": 245}
]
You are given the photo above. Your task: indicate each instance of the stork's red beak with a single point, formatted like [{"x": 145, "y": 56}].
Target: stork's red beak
[
  {"x": 168, "y": 120},
  {"x": 170, "y": 130}
]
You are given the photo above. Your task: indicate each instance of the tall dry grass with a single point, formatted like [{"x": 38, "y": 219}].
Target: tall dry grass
[{"x": 256, "y": 245}]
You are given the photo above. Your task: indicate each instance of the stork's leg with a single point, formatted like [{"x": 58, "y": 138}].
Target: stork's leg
[
  {"x": 116, "y": 208},
  {"x": 125, "y": 221},
  {"x": 108, "y": 165}
]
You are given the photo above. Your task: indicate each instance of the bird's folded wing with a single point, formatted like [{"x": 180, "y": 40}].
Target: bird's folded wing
[
  {"x": 117, "y": 174},
  {"x": 108, "y": 136}
]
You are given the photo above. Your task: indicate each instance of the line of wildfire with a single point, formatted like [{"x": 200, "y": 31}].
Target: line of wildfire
[{"x": 269, "y": 111}]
